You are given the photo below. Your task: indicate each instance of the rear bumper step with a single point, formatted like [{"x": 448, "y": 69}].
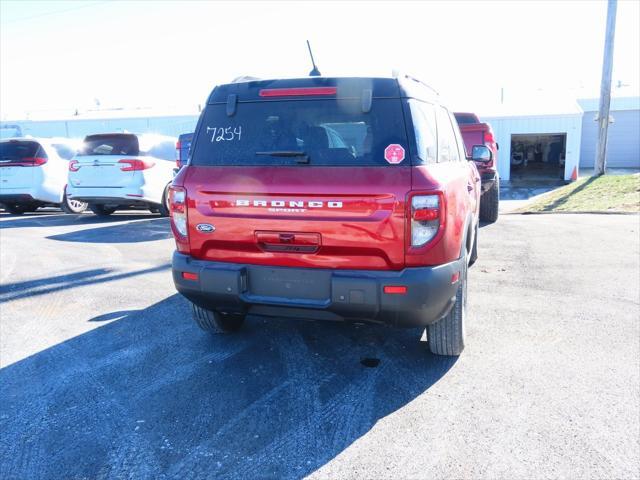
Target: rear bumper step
[{"x": 353, "y": 295}]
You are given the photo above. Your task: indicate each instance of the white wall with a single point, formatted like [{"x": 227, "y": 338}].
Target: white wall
[
  {"x": 623, "y": 143},
  {"x": 504, "y": 127}
]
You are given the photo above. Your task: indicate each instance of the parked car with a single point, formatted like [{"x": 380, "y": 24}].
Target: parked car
[
  {"x": 33, "y": 174},
  {"x": 475, "y": 132},
  {"x": 122, "y": 170},
  {"x": 329, "y": 199},
  {"x": 182, "y": 149}
]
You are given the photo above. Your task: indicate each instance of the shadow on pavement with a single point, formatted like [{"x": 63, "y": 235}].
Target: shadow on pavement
[
  {"x": 150, "y": 395},
  {"x": 43, "y": 286},
  {"x": 57, "y": 219},
  {"x": 130, "y": 232}
]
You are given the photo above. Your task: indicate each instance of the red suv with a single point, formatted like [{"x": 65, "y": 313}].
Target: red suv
[{"x": 328, "y": 199}]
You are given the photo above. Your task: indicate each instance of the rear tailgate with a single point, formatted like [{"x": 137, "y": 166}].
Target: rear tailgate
[
  {"x": 100, "y": 162},
  {"x": 473, "y": 134},
  {"x": 331, "y": 200},
  {"x": 19, "y": 164}
]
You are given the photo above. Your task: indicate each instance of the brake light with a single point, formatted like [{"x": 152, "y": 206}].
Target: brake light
[
  {"x": 427, "y": 218},
  {"x": 298, "y": 92},
  {"x": 395, "y": 289},
  {"x": 27, "y": 162},
  {"x": 73, "y": 166},
  {"x": 178, "y": 210},
  {"x": 488, "y": 137},
  {"x": 133, "y": 164}
]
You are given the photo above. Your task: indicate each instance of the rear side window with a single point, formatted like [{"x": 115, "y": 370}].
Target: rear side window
[
  {"x": 465, "y": 118},
  {"x": 423, "y": 116},
  {"x": 447, "y": 145},
  {"x": 328, "y": 131},
  {"x": 19, "y": 150},
  {"x": 118, "y": 144}
]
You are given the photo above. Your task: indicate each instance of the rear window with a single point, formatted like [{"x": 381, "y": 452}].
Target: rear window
[
  {"x": 18, "y": 150},
  {"x": 110, "y": 145},
  {"x": 465, "y": 118},
  {"x": 328, "y": 132}
]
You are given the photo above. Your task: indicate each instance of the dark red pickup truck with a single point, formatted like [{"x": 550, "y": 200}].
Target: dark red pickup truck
[
  {"x": 474, "y": 132},
  {"x": 345, "y": 199}
]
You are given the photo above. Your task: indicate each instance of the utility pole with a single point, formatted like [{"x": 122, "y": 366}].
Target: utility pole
[{"x": 605, "y": 90}]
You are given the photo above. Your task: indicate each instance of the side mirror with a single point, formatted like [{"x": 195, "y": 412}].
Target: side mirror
[{"x": 481, "y": 153}]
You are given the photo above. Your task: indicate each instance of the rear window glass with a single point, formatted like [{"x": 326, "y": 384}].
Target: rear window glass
[
  {"x": 329, "y": 132},
  {"x": 110, "y": 145},
  {"x": 465, "y": 118},
  {"x": 20, "y": 150}
]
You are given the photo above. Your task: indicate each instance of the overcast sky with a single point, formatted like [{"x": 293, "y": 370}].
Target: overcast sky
[{"x": 59, "y": 56}]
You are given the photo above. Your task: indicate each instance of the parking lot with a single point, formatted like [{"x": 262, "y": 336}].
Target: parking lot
[{"x": 104, "y": 372}]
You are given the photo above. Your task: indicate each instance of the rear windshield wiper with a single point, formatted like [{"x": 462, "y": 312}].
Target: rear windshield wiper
[{"x": 301, "y": 157}]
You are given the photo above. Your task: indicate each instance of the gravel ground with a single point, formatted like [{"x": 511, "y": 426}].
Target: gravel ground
[{"x": 104, "y": 375}]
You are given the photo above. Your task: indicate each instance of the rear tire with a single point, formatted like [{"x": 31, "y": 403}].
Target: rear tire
[
  {"x": 19, "y": 208},
  {"x": 101, "y": 210},
  {"x": 164, "y": 206},
  {"x": 447, "y": 336},
  {"x": 72, "y": 206},
  {"x": 490, "y": 202},
  {"x": 215, "y": 322}
]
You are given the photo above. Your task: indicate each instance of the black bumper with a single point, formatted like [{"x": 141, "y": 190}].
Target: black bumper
[
  {"x": 488, "y": 179},
  {"x": 320, "y": 294}
]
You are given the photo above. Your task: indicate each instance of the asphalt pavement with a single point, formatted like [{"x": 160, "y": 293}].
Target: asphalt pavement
[{"x": 105, "y": 375}]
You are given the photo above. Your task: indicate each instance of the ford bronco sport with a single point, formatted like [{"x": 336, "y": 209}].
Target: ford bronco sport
[{"x": 331, "y": 199}]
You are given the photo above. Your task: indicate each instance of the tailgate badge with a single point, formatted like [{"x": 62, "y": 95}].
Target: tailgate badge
[{"x": 205, "y": 228}]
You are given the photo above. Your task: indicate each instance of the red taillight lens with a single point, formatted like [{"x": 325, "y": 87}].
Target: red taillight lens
[
  {"x": 298, "y": 92},
  {"x": 178, "y": 209},
  {"x": 133, "y": 164},
  {"x": 189, "y": 276},
  {"x": 426, "y": 219},
  {"x": 395, "y": 289},
  {"x": 73, "y": 166},
  {"x": 488, "y": 137},
  {"x": 26, "y": 162}
]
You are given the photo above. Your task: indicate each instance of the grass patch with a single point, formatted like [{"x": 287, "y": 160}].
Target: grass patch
[{"x": 608, "y": 193}]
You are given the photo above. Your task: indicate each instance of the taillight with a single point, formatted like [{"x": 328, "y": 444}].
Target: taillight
[
  {"x": 427, "y": 217},
  {"x": 132, "y": 164},
  {"x": 73, "y": 166},
  {"x": 26, "y": 162},
  {"x": 178, "y": 154},
  {"x": 488, "y": 137},
  {"x": 178, "y": 209}
]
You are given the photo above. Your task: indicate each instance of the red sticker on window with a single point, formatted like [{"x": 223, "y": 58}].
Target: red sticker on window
[{"x": 394, "y": 154}]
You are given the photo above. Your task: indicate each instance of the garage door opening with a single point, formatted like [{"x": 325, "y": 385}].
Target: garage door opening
[{"x": 538, "y": 158}]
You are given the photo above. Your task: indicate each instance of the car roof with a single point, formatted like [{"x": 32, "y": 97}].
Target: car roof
[{"x": 401, "y": 86}]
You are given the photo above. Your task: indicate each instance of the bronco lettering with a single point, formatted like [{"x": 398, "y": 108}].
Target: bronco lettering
[{"x": 290, "y": 204}]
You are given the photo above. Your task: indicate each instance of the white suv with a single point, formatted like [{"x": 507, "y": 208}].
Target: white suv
[
  {"x": 122, "y": 170},
  {"x": 33, "y": 173}
]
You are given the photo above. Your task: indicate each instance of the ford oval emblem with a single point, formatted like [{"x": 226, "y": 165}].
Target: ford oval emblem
[{"x": 205, "y": 228}]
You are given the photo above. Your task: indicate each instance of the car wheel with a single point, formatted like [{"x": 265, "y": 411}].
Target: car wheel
[
  {"x": 18, "y": 208},
  {"x": 216, "y": 322},
  {"x": 101, "y": 210},
  {"x": 72, "y": 206},
  {"x": 489, "y": 203},
  {"x": 164, "y": 206},
  {"x": 447, "y": 336}
]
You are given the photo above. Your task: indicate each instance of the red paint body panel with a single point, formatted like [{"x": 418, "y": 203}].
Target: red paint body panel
[
  {"x": 367, "y": 232},
  {"x": 474, "y": 134}
]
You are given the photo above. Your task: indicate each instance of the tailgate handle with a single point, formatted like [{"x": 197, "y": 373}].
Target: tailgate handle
[{"x": 288, "y": 242}]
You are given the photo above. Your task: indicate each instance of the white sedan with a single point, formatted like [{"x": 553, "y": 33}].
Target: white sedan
[
  {"x": 122, "y": 170},
  {"x": 33, "y": 173}
]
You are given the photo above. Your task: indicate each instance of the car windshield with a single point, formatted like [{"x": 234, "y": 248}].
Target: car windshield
[
  {"x": 465, "y": 118},
  {"x": 314, "y": 132}
]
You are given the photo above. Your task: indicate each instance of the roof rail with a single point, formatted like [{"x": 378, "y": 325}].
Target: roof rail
[{"x": 400, "y": 75}]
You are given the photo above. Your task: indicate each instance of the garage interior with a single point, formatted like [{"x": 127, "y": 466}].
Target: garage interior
[{"x": 538, "y": 158}]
